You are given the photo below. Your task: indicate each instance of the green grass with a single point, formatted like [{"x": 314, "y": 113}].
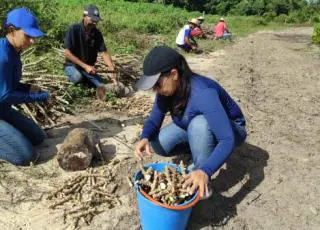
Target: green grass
[
  {"x": 316, "y": 34},
  {"x": 132, "y": 27}
]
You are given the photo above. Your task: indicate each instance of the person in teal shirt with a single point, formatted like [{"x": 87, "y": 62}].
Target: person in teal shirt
[{"x": 18, "y": 133}]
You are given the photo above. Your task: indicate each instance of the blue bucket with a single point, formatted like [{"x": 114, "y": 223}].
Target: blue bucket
[{"x": 157, "y": 216}]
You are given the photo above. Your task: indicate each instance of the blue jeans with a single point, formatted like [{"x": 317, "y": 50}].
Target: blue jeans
[
  {"x": 200, "y": 139},
  {"x": 77, "y": 76},
  {"x": 185, "y": 47},
  {"x": 17, "y": 135},
  {"x": 226, "y": 36}
]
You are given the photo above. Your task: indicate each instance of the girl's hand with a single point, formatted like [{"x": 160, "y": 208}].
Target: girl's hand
[
  {"x": 142, "y": 149},
  {"x": 197, "y": 179}
]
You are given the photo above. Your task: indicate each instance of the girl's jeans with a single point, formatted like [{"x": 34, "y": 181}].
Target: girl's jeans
[
  {"x": 17, "y": 135},
  {"x": 200, "y": 139}
]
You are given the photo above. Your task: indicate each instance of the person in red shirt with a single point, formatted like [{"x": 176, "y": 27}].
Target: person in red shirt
[
  {"x": 221, "y": 30},
  {"x": 197, "y": 32}
]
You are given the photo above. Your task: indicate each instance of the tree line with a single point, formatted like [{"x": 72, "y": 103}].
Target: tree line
[{"x": 245, "y": 7}]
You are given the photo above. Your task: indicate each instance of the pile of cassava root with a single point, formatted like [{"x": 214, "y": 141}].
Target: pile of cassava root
[
  {"x": 84, "y": 196},
  {"x": 35, "y": 72},
  {"x": 166, "y": 186}
]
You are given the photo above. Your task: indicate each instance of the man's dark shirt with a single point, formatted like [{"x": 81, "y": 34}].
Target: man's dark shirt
[{"x": 84, "y": 44}]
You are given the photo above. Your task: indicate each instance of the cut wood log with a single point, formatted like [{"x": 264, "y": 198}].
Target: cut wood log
[{"x": 78, "y": 149}]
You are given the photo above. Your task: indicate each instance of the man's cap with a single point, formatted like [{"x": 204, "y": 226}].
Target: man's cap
[
  {"x": 92, "y": 12},
  {"x": 222, "y": 19},
  {"x": 201, "y": 18},
  {"x": 194, "y": 21},
  {"x": 22, "y": 18},
  {"x": 160, "y": 59}
]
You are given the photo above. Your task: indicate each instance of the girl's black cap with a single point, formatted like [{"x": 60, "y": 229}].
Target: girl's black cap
[{"x": 160, "y": 59}]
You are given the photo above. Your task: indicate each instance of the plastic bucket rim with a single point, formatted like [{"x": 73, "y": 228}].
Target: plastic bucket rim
[{"x": 171, "y": 207}]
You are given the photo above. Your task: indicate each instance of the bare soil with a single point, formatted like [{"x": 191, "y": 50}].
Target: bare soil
[{"x": 271, "y": 182}]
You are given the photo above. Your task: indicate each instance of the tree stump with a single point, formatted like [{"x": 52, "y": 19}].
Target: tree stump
[{"x": 78, "y": 149}]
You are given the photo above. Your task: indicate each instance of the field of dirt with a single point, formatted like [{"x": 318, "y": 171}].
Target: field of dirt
[{"x": 271, "y": 182}]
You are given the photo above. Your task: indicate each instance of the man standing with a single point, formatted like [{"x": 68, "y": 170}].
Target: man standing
[
  {"x": 82, "y": 43},
  {"x": 184, "y": 39}
]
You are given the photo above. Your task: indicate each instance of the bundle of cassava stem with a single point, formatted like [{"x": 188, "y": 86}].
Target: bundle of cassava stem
[
  {"x": 166, "y": 186},
  {"x": 84, "y": 196}
]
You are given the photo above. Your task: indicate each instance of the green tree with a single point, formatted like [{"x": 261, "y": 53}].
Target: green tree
[
  {"x": 247, "y": 7},
  {"x": 44, "y": 10}
]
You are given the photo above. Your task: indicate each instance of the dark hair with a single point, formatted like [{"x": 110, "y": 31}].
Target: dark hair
[
  {"x": 7, "y": 28},
  {"x": 181, "y": 96}
]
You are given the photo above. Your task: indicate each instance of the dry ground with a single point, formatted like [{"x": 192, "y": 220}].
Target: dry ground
[{"x": 271, "y": 182}]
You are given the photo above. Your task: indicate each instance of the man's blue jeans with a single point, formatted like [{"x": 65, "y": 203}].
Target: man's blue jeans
[
  {"x": 185, "y": 47},
  {"x": 76, "y": 76},
  {"x": 198, "y": 136},
  {"x": 17, "y": 135}
]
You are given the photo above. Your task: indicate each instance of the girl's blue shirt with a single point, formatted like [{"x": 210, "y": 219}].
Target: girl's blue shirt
[
  {"x": 12, "y": 91},
  {"x": 211, "y": 100}
]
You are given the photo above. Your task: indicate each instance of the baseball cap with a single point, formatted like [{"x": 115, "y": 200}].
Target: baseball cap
[
  {"x": 23, "y": 19},
  {"x": 160, "y": 59},
  {"x": 92, "y": 12}
]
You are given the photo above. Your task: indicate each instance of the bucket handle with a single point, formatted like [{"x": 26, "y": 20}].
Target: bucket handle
[{"x": 183, "y": 207}]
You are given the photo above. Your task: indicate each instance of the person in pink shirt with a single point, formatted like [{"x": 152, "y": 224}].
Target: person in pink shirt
[
  {"x": 197, "y": 32},
  {"x": 221, "y": 30}
]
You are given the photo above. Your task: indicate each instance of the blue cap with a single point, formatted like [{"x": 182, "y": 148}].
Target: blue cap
[{"x": 23, "y": 19}]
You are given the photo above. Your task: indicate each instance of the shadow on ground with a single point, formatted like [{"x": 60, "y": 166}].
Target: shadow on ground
[{"x": 243, "y": 173}]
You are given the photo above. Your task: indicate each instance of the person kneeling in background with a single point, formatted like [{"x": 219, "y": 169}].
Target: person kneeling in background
[
  {"x": 184, "y": 39},
  {"x": 82, "y": 44},
  {"x": 198, "y": 32},
  {"x": 221, "y": 31}
]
